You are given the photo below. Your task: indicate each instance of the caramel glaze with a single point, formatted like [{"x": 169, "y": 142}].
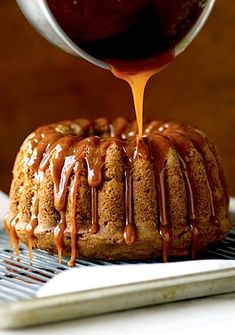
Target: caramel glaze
[
  {"x": 13, "y": 238},
  {"x": 66, "y": 156}
]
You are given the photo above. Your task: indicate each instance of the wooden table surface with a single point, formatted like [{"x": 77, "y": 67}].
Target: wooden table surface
[{"x": 41, "y": 84}]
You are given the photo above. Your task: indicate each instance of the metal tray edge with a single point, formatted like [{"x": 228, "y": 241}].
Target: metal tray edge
[{"x": 112, "y": 299}]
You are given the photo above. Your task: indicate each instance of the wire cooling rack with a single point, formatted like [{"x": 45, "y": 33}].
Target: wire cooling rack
[{"x": 20, "y": 279}]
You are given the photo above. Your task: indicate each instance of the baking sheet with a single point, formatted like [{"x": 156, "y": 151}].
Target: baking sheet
[{"x": 20, "y": 281}]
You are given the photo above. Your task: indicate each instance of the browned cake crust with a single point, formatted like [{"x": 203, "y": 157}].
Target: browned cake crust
[{"x": 117, "y": 197}]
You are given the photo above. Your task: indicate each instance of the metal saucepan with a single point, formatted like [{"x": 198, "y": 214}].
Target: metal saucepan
[{"x": 40, "y": 16}]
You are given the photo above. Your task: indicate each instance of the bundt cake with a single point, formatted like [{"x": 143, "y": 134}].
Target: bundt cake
[{"x": 94, "y": 190}]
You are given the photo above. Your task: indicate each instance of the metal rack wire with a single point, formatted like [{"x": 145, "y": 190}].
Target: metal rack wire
[{"x": 20, "y": 279}]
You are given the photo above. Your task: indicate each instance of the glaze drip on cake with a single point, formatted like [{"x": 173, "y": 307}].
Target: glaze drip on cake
[{"x": 74, "y": 154}]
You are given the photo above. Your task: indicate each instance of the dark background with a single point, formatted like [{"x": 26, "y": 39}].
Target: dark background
[{"x": 41, "y": 84}]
